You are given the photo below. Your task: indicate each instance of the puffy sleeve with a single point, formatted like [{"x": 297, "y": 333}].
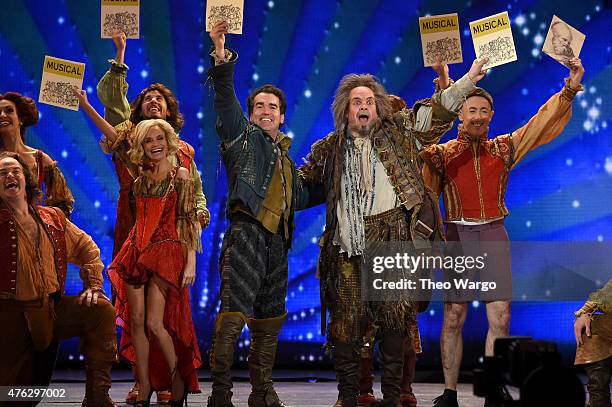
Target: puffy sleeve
[
  {"x": 121, "y": 145},
  {"x": 83, "y": 251},
  {"x": 187, "y": 225},
  {"x": 112, "y": 92},
  {"x": 57, "y": 192}
]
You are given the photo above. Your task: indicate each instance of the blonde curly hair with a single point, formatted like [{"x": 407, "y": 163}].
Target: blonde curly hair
[{"x": 136, "y": 152}]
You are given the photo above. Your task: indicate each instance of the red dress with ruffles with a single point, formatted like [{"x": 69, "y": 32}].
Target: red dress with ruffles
[{"x": 154, "y": 249}]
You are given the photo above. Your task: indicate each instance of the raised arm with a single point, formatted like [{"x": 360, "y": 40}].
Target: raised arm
[
  {"x": 105, "y": 127},
  {"x": 551, "y": 118},
  {"x": 230, "y": 118},
  {"x": 433, "y": 120},
  {"x": 113, "y": 87}
]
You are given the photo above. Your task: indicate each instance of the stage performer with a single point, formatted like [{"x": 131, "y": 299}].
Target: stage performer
[
  {"x": 472, "y": 174},
  {"x": 154, "y": 102},
  {"x": 37, "y": 243},
  {"x": 593, "y": 332},
  {"x": 17, "y": 113},
  {"x": 156, "y": 264},
  {"x": 263, "y": 196},
  {"x": 412, "y": 344},
  {"x": 370, "y": 169}
]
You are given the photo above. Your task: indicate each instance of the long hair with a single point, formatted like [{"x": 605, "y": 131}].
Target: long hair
[
  {"x": 136, "y": 152},
  {"x": 33, "y": 193},
  {"x": 175, "y": 117},
  {"x": 26, "y": 110},
  {"x": 341, "y": 101}
]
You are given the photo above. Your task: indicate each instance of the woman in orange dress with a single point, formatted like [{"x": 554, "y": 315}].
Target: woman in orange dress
[{"x": 156, "y": 264}]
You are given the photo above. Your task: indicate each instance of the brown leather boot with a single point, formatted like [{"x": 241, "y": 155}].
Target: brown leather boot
[
  {"x": 97, "y": 385},
  {"x": 228, "y": 326},
  {"x": 599, "y": 374},
  {"x": 262, "y": 353},
  {"x": 347, "y": 359},
  {"x": 391, "y": 349}
]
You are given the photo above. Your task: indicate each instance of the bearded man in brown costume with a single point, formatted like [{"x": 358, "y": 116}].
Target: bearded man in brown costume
[{"x": 370, "y": 170}]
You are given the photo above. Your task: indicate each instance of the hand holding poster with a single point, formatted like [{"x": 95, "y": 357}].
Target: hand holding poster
[
  {"x": 121, "y": 15},
  {"x": 493, "y": 39},
  {"x": 440, "y": 38},
  {"x": 230, "y": 11},
  {"x": 60, "y": 79},
  {"x": 563, "y": 42}
]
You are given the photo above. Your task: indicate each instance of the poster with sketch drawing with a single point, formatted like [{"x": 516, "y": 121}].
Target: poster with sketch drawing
[
  {"x": 225, "y": 10},
  {"x": 563, "y": 42},
  {"x": 60, "y": 79},
  {"x": 492, "y": 37},
  {"x": 440, "y": 38},
  {"x": 121, "y": 15}
]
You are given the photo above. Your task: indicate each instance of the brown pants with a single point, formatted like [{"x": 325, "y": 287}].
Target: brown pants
[{"x": 20, "y": 363}]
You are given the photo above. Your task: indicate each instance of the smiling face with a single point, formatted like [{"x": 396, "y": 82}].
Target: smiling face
[
  {"x": 362, "y": 109},
  {"x": 155, "y": 144},
  {"x": 476, "y": 114},
  {"x": 9, "y": 120},
  {"x": 12, "y": 180},
  {"x": 266, "y": 113},
  {"x": 154, "y": 106}
]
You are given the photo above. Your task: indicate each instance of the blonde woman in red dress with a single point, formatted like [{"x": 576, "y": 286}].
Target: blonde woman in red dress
[{"x": 154, "y": 268}]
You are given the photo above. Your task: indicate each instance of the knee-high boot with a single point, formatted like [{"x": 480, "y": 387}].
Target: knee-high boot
[
  {"x": 228, "y": 326},
  {"x": 347, "y": 359},
  {"x": 599, "y": 374},
  {"x": 262, "y": 354},
  {"x": 391, "y": 365}
]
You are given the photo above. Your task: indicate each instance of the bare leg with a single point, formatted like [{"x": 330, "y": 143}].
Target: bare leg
[
  {"x": 156, "y": 304},
  {"x": 498, "y": 315},
  {"x": 451, "y": 342},
  {"x": 136, "y": 301}
]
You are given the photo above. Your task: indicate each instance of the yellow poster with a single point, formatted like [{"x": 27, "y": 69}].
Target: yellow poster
[
  {"x": 60, "y": 78},
  {"x": 492, "y": 37},
  {"x": 440, "y": 38}
]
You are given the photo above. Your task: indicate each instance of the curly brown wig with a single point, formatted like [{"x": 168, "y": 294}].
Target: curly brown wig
[
  {"x": 397, "y": 103},
  {"x": 175, "y": 117},
  {"x": 340, "y": 105},
  {"x": 26, "y": 110},
  {"x": 33, "y": 193}
]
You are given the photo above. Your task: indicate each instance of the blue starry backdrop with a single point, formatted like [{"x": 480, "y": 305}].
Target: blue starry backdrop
[{"x": 559, "y": 192}]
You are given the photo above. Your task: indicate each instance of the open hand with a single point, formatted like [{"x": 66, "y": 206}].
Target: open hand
[
  {"x": 188, "y": 274},
  {"x": 583, "y": 322},
  {"x": 90, "y": 297}
]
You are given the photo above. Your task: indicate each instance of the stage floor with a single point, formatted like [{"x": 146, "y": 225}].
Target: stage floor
[{"x": 297, "y": 389}]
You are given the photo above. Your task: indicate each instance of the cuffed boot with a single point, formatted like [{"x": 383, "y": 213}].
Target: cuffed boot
[
  {"x": 228, "y": 326},
  {"x": 97, "y": 385},
  {"x": 391, "y": 349},
  {"x": 599, "y": 374},
  {"x": 262, "y": 354},
  {"x": 346, "y": 364}
]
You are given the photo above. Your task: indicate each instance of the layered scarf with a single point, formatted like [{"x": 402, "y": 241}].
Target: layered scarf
[{"x": 356, "y": 194}]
